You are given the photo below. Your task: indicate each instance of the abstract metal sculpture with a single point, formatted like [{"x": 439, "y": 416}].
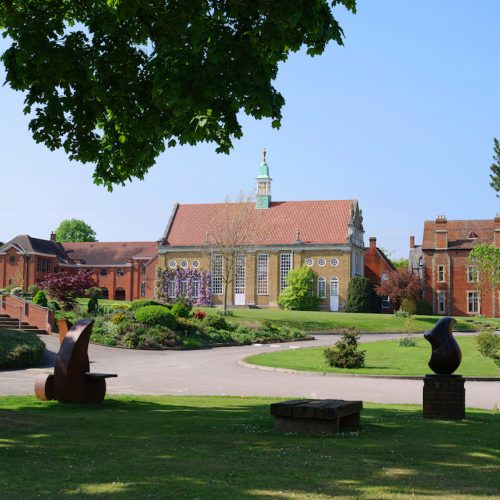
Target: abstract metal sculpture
[
  {"x": 72, "y": 382},
  {"x": 446, "y": 354}
]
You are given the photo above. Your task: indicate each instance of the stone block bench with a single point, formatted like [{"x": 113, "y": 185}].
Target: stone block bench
[{"x": 316, "y": 415}]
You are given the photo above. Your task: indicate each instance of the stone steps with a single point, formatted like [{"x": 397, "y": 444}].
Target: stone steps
[{"x": 9, "y": 323}]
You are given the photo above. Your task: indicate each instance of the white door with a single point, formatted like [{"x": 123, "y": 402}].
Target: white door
[
  {"x": 334, "y": 294},
  {"x": 239, "y": 280}
]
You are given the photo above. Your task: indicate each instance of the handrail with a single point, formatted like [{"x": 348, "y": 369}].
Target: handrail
[{"x": 20, "y": 320}]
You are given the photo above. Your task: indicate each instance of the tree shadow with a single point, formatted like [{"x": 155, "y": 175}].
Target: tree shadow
[{"x": 227, "y": 448}]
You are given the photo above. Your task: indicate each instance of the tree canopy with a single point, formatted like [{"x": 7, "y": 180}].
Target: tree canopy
[
  {"x": 495, "y": 167},
  {"x": 74, "y": 230},
  {"x": 401, "y": 284},
  {"x": 114, "y": 82}
]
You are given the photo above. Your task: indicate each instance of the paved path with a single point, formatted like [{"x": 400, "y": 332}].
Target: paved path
[{"x": 216, "y": 372}]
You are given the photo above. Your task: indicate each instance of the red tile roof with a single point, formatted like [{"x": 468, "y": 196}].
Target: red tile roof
[
  {"x": 318, "y": 222},
  {"x": 103, "y": 253},
  {"x": 459, "y": 232}
]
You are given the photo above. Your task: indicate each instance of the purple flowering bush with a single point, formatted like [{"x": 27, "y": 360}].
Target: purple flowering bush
[{"x": 174, "y": 283}]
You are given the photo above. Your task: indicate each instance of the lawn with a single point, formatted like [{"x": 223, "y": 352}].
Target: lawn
[
  {"x": 382, "y": 358},
  {"x": 207, "y": 447}
]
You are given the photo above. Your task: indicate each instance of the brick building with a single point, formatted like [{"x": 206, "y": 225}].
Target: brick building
[
  {"x": 377, "y": 267},
  {"x": 324, "y": 235},
  {"x": 124, "y": 271},
  {"x": 441, "y": 260}
]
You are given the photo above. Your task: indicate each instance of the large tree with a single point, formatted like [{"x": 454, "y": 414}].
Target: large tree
[
  {"x": 67, "y": 287},
  {"x": 112, "y": 82},
  {"x": 74, "y": 230},
  {"x": 485, "y": 259},
  {"x": 400, "y": 284},
  {"x": 495, "y": 167}
]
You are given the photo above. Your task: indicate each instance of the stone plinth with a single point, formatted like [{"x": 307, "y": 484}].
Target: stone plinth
[{"x": 444, "y": 397}]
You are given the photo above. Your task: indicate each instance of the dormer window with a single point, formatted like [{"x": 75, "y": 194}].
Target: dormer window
[{"x": 472, "y": 236}]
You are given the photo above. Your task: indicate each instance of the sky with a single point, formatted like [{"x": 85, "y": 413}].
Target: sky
[{"x": 402, "y": 117}]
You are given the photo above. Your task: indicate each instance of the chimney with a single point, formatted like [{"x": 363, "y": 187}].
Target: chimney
[
  {"x": 412, "y": 241},
  {"x": 441, "y": 233},
  {"x": 53, "y": 237},
  {"x": 373, "y": 242},
  {"x": 496, "y": 235}
]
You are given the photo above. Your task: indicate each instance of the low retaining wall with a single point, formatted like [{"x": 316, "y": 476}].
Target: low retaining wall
[{"x": 30, "y": 313}]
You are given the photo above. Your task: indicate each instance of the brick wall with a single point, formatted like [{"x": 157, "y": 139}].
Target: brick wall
[{"x": 35, "y": 315}]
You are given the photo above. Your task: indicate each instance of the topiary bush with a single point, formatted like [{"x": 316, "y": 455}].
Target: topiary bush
[
  {"x": 409, "y": 306},
  {"x": 155, "y": 316},
  {"x": 40, "y": 298},
  {"x": 19, "y": 349},
  {"x": 345, "y": 354},
  {"x": 424, "y": 308},
  {"x": 137, "y": 304},
  {"x": 360, "y": 295}
]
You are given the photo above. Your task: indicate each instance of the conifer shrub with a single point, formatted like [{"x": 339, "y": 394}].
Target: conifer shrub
[
  {"x": 345, "y": 354},
  {"x": 155, "y": 316},
  {"x": 360, "y": 295},
  {"x": 93, "y": 305},
  {"x": 40, "y": 298}
]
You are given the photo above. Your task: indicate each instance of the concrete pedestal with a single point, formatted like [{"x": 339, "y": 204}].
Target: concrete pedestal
[{"x": 444, "y": 397}]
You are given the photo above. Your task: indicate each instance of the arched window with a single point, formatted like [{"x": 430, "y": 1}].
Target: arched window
[
  {"x": 120, "y": 294},
  {"x": 195, "y": 288},
  {"x": 104, "y": 293},
  {"x": 334, "y": 285},
  {"x": 322, "y": 287}
]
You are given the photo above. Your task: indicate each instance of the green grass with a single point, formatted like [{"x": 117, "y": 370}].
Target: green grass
[
  {"x": 207, "y": 447},
  {"x": 319, "y": 321},
  {"x": 382, "y": 358}
]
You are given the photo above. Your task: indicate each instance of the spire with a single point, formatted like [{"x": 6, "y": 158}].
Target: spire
[{"x": 263, "y": 187}]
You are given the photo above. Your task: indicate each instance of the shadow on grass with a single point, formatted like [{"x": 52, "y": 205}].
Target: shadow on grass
[{"x": 227, "y": 448}]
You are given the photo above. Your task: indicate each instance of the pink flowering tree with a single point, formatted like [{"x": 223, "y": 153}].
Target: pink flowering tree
[{"x": 67, "y": 287}]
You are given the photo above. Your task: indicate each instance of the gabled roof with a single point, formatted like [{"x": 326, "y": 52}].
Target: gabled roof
[
  {"x": 384, "y": 257},
  {"x": 459, "y": 233},
  {"x": 316, "y": 222},
  {"x": 105, "y": 253},
  {"x": 30, "y": 245}
]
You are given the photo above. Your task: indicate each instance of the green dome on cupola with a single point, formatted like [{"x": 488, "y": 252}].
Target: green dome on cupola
[
  {"x": 263, "y": 188},
  {"x": 264, "y": 169}
]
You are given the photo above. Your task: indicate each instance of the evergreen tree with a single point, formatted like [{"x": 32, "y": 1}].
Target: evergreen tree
[{"x": 495, "y": 167}]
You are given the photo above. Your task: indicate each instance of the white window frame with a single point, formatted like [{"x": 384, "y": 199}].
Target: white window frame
[
  {"x": 385, "y": 302},
  {"x": 263, "y": 274},
  {"x": 334, "y": 285},
  {"x": 472, "y": 274},
  {"x": 441, "y": 274},
  {"x": 286, "y": 265},
  {"x": 472, "y": 298},
  {"x": 195, "y": 288},
  {"x": 217, "y": 272},
  {"x": 441, "y": 302},
  {"x": 183, "y": 287},
  {"x": 321, "y": 287},
  {"x": 171, "y": 288}
]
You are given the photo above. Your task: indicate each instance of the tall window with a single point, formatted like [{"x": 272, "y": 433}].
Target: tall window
[
  {"x": 334, "y": 285},
  {"x": 183, "y": 287},
  {"x": 171, "y": 289},
  {"x": 285, "y": 266},
  {"x": 43, "y": 265},
  {"x": 472, "y": 274},
  {"x": 385, "y": 302},
  {"x": 441, "y": 302},
  {"x": 440, "y": 274},
  {"x": 195, "y": 288},
  {"x": 143, "y": 289},
  {"x": 240, "y": 273},
  {"x": 358, "y": 264},
  {"x": 217, "y": 265},
  {"x": 262, "y": 274},
  {"x": 322, "y": 287},
  {"x": 472, "y": 302}
]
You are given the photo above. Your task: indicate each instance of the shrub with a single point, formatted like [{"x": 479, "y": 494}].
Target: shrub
[
  {"x": 53, "y": 305},
  {"x": 424, "y": 308},
  {"x": 40, "y": 298},
  {"x": 216, "y": 321},
  {"x": 137, "y": 304},
  {"x": 33, "y": 289},
  {"x": 93, "y": 305},
  {"x": 19, "y": 349},
  {"x": 155, "y": 316},
  {"x": 227, "y": 312},
  {"x": 360, "y": 295},
  {"x": 95, "y": 291},
  {"x": 17, "y": 291},
  {"x": 409, "y": 306},
  {"x": 408, "y": 340},
  {"x": 345, "y": 354},
  {"x": 120, "y": 307},
  {"x": 117, "y": 318},
  {"x": 187, "y": 326},
  {"x": 488, "y": 343},
  {"x": 199, "y": 314},
  {"x": 401, "y": 314},
  {"x": 180, "y": 310},
  {"x": 297, "y": 296}
]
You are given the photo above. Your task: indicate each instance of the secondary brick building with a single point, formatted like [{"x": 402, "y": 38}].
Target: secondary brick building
[
  {"x": 441, "y": 260},
  {"x": 124, "y": 271}
]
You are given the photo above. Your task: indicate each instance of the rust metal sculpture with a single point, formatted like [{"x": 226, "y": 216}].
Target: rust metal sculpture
[
  {"x": 64, "y": 326},
  {"x": 72, "y": 381}
]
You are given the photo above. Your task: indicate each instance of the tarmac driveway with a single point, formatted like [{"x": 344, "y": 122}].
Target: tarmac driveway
[{"x": 217, "y": 372}]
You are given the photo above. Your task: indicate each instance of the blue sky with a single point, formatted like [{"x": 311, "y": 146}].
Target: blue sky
[{"x": 402, "y": 117}]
